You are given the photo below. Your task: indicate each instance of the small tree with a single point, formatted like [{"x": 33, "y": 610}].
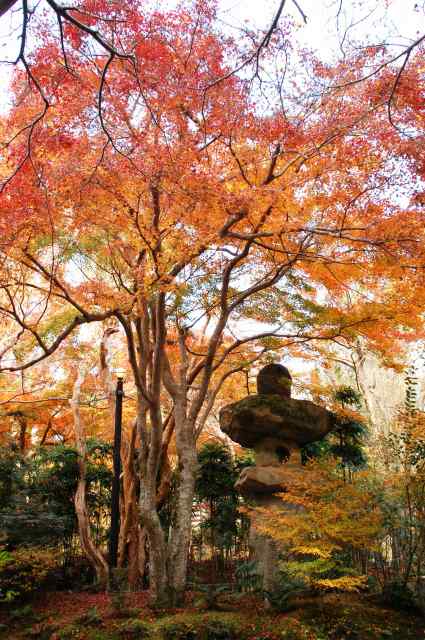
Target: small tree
[
  {"x": 222, "y": 523},
  {"x": 346, "y": 442},
  {"x": 27, "y": 518},
  {"x": 37, "y": 494},
  {"x": 323, "y": 519},
  {"x": 402, "y": 494}
]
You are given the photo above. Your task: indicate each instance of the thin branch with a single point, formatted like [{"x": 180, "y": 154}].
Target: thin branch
[
  {"x": 303, "y": 15},
  {"x": 394, "y": 89},
  {"x": 64, "y": 13},
  {"x": 78, "y": 321},
  {"x": 256, "y": 54},
  {"x": 405, "y": 52}
]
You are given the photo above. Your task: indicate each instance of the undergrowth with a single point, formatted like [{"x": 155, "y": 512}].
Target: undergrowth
[{"x": 328, "y": 618}]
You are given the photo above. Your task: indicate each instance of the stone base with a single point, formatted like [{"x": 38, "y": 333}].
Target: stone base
[
  {"x": 261, "y": 480},
  {"x": 266, "y": 554},
  {"x": 268, "y": 479}
]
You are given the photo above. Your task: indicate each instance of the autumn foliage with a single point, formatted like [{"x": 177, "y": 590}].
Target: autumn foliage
[
  {"x": 322, "y": 517},
  {"x": 209, "y": 219}
]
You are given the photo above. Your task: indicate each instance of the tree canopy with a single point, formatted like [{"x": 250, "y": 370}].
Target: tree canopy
[{"x": 211, "y": 214}]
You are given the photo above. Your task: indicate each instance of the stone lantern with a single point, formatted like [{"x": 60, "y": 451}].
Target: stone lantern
[{"x": 276, "y": 426}]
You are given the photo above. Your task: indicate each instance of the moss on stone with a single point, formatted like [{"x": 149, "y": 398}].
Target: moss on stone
[
  {"x": 270, "y": 416},
  {"x": 278, "y": 405}
]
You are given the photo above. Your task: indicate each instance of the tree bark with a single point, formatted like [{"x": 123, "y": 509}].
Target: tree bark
[
  {"x": 180, "y": 537},
  {"x": 130, "y": 539},
  {"x": 93, "y": 554}
]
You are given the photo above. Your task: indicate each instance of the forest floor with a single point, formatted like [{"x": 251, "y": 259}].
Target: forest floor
[{"x": 84, "y": 616}]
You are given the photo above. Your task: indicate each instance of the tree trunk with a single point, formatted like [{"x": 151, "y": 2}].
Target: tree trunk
[
  {"x": 129, "y": 506},
  {"x": 128, "y": 551},
  {"x": 136, "y": 557},
  {"x": 158, "y": 582},
  {"x": 93, "y": 554},
  {"x": 180, "y": 537},
  {"x": 149, "y": 459}
]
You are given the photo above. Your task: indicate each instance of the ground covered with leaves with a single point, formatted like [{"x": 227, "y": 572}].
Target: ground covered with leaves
[{"x": 82, "y": 616}]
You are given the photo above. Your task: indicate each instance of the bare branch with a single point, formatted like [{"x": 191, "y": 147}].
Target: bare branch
[{"x": 78, "y": 321}]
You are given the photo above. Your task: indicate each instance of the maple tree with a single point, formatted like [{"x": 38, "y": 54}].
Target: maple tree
[
  {"x": 324, "y": 518},
  {"x": 189, "y": 208},
  {"x": 91, "y": 30}
]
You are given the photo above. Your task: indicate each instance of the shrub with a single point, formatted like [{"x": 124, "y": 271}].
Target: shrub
[
  {"x": 248, "y": 579},
  {"x": 398, "y": 596},
  {"x": 219, "y": 631},
  {"x": 6, "y": 595},
  {"x": 26, "y": 571},
  {"x": 210, "y": 594},
  {"x": 345, "y": 631},
  {"x": 178, "y": 631},
  {"x": 120, "y": 604},
  {"x": 201, "y": 627},
  {"x": 69, "y": 632},
  {"x": 74, "y": 632},
  {"x": 22, "y": 613},
  {"x": 287, "y": 587},
  {"x": 95, "y": 634},
  {"x": 295, "y": 630},
  {"x": 43, "y": 630},
  {"x": 91, "y": 617},
  {"x": 135, "y": 629}
]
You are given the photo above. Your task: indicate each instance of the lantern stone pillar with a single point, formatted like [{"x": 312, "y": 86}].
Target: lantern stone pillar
[{"x": 276, "y": 426}]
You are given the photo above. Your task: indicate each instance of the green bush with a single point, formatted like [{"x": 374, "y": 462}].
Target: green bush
[
  {"x": 76, "y": 632},
  {"x": 201, "y": 627},
  {"x": 43, "y": 631},
  {"x": 178, "y": 631},
  {"x": 287, "y": 587},
  {"x": 119, "y": 604},
  {"x": 286, "y": 629},
  {"x": 91, "y": 618},
  {"x": 210, "y": 594},
  {"x": 6, "y": 595},
  {"x": 295, "y": 630},
  {"x": 22, "y": 613},
  {"x": 96, "y": 634},
  {"x": 248, "y": 579},
  {"x": 25, "y": 572},
  {"x": 219, "y": 631},
  {"x": 69, "y": 632},
  {"x": 135, "y": 629},
  {"x": 37, "y": 494}
]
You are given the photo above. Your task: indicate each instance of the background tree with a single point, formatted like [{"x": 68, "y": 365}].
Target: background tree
[
  {"x": 37, "y": 495},
  {"x": 222, "y": 527},
  {"x": 347, "y": 441}
]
